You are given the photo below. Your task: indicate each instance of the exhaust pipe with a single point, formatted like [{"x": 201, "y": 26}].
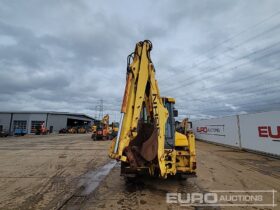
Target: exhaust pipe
[{"x": 119, "y": 134}]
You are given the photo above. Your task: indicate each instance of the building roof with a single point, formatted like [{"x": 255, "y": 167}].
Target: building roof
[{"x": 47, "y": 112}]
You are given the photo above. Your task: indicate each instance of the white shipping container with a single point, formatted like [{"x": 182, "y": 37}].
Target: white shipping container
[
  {"x": 261, "y": 132},
  {"x": 219, "y": 130}
]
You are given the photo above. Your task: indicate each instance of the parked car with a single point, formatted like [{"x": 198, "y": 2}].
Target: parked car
[{"x": 4, "y": 133}]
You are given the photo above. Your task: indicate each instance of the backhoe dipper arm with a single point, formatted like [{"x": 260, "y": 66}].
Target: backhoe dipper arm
[{"x": 141, "y": 90}]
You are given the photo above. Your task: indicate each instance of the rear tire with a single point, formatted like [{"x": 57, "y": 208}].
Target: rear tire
[
  {"x": 93, "y": 137},
  {"x": 182, "y": 176},
  {"x": 130, "y": 180}
]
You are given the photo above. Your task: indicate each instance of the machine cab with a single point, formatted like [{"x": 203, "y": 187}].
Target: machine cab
[{"x": 170, "y": 123}]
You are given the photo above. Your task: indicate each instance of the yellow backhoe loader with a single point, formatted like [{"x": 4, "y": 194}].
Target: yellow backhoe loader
[
  {"x": 147, "y": 142},
  {"x": 101, "y": 129},
  {"x": 185, "y": 127}
]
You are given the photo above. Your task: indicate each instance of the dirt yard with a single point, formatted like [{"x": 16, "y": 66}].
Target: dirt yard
[{"x": 73, "y": 172}]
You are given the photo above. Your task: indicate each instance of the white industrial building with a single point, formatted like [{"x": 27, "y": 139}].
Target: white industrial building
[{"x": 53, "y": 121}]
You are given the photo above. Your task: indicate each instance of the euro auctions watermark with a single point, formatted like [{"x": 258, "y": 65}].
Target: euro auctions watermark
[{"x": 258, "y": 198}]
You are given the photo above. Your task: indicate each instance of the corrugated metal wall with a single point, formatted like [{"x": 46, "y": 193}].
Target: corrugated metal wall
[
  {"x": 5, "y": 121},
  {"x": 258, "y": 132},
  {"x": 58, "y": 121}
]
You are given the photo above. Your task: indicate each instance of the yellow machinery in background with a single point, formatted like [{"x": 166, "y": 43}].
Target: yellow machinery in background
[
  {"x": 93, "y": 128},
  {"x": 185, "y": 127},
  {"x": 72, "y": 130},
  {"x": 81, "y": 130},
  {"x": 113, "y": 130},
  {"x": 147, "y": 141},
  {"x": 100, "y": 131},
  {"x": 105, "y": 119}
]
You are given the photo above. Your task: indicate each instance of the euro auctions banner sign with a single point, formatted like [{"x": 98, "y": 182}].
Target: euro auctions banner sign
[
  {"x": 218, "y": 130},
  {"x": 258, "y": 132},
  {"x": 261, "y": 132},
  {"x": 269, "y": 132}
]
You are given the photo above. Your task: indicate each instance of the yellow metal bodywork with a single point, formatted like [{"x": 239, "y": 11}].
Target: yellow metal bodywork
[
  {"x": 105, "y": 123},
  {"x": 105, "y": 119},
  {"x": 93, "y": 128},
  {"x": 186, "y": 158},
  {"x": 140, "y": 76},
  {"x": 181, "y": 140},
  {"x": 115, "y": 129}
]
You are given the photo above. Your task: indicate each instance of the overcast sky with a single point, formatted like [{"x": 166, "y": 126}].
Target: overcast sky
[{"x": 215, "y": 58}]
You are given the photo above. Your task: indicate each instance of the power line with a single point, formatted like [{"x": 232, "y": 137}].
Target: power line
[
  {"x": 260, "y": 90},
  {"x": 261, "y": 95},
  {"x": 239, "y": 33},
  {"x": 244, "y": 78},
  {"x": 243, "y": 90},
  {"x": 238, "y": 80},
  {"x": 240, "y": 58},
  {"x": 243, "y": 106},
  {"x": 240, "y": 97},
  {"x": 272, "y": 107},
  {"x": 263, "y": 92},
  {"x": 229, "y": 70},
  {"x": 234, "y": 47},
  {"x": 246, "y": 41},
  {"x": 256, "y": 36},
  {"x": 99, "y": 108}
]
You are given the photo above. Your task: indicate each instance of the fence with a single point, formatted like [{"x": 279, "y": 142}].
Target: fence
[{"x": 257, "y": 132}]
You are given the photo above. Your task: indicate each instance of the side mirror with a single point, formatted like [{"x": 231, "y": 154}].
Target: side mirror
[{"x": 175, "y": 112}]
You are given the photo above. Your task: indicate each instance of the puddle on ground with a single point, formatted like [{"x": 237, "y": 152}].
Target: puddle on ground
[{"x": 91, "y": 180}]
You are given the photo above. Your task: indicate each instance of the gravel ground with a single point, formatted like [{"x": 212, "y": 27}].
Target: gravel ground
[{"x": 73, "y": 172}]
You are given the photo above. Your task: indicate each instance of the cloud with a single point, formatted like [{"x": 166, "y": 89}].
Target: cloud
[{"x": 68, "y": 55}]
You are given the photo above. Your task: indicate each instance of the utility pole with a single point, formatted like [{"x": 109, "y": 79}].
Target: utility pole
[
  {"x": 100, "y": 110},
  {"x": 95, "y": 112}
]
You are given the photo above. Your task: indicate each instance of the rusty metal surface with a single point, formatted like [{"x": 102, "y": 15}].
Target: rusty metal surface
[
  {"x": 131, "y": 157},
  {"x": 144, "y": 146},
  {"x": 126, "y": 93},
  {"x": 149, "y": 148}
]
